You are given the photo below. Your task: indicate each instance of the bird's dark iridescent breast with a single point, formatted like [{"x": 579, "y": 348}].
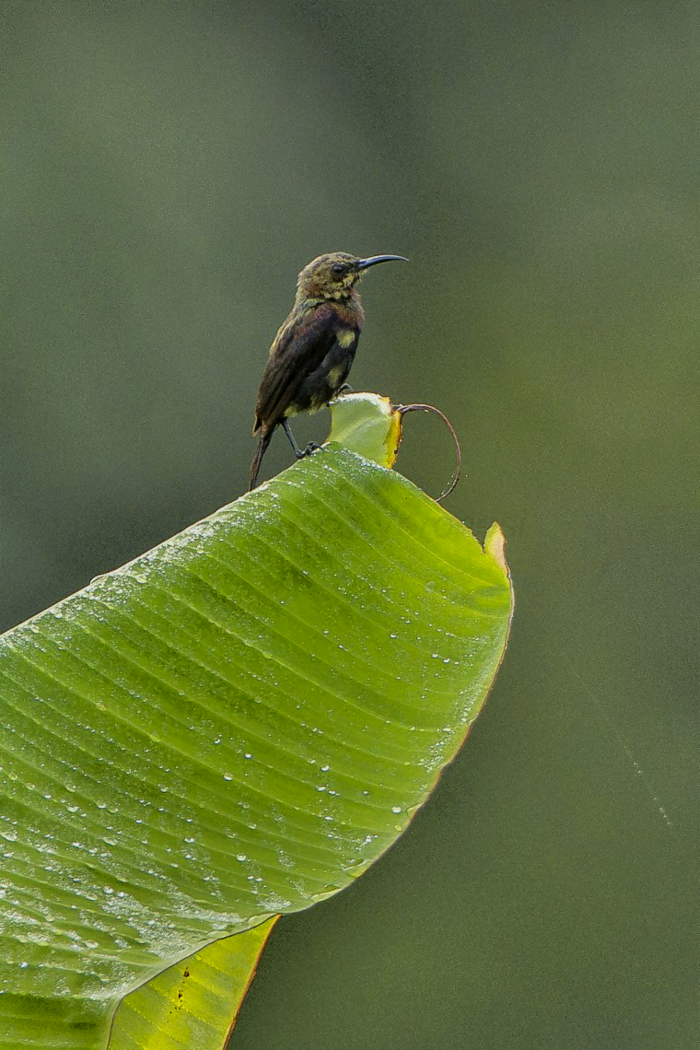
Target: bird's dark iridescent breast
[
  {"x": 321, "y": 386},
  {"x": 310, "y": 358}
]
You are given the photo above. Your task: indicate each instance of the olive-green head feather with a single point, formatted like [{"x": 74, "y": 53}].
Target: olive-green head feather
[{"x": 333, "y": 276}]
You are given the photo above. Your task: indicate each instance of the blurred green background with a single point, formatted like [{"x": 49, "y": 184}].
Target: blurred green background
[{"x": 167, "y": 169}]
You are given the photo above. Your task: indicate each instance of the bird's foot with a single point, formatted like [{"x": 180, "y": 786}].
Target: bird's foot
[
  {"x": 311, "y": 447},
  {"x": 344, "y": 389}
]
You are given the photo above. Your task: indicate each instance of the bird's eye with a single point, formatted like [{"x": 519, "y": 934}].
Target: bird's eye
[{"x": 338, "y": 268}]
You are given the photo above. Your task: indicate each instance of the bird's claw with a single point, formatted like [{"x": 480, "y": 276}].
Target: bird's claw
[{"x": 311, "y": 447}]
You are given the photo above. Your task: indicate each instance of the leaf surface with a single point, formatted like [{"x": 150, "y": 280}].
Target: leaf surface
[
  {"x": 232, "y": 726},
  {"x": 195, "y": 1002}
]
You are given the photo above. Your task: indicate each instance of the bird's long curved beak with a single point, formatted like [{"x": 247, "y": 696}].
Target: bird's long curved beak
[{"x": 362, "y": 264}]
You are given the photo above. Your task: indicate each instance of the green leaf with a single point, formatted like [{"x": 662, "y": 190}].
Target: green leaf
[
  {"x": 367, "y": 424},
  {"x": 195, "y": 1002},
  {"x": 232, "y": 726}
]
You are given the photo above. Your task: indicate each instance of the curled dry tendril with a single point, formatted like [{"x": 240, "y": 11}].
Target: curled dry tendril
[{"x": 403, "y": 409}]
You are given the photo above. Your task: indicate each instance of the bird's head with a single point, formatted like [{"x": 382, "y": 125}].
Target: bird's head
[{"x": 334, "y": 275}]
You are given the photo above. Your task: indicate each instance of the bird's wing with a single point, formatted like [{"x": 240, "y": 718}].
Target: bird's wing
[{"x": 299, "y": 347}]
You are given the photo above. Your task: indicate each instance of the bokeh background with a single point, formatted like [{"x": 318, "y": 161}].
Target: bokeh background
[{"x": 166, "y": 170}]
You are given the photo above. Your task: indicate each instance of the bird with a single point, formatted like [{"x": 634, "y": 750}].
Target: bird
[{"x": 314, "y": 349}]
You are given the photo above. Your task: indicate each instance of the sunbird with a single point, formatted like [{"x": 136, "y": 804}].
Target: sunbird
[{"x": 313, "y": 351}]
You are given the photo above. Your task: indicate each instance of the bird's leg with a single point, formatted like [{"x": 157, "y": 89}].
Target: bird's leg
[
  {"x": 298, "y": 452},
  {"x": 288, "y": 431}
]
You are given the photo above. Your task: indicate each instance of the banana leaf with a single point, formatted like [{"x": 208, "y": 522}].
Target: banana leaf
[{"x": 229, "y": 728}]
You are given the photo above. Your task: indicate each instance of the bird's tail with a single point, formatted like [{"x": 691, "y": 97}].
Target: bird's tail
[{"x": 260, "y": 451}]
